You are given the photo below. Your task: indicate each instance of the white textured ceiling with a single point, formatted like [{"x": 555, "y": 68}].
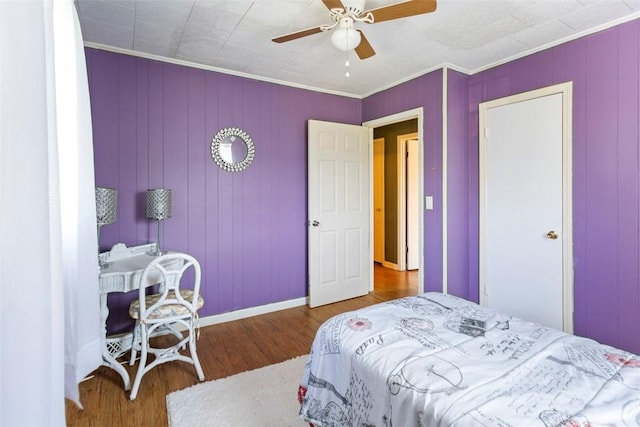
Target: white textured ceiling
[{"x": 235, "y": 36}]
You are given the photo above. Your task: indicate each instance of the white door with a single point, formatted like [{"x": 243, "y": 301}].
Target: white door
[
  {"x": 413, "y": 206},
  {"x": 339, "y": 207},
  {"x": 408, "y": 202},
  {"x": 378, "y": 200},
  {"x": 525, "y": 199}
]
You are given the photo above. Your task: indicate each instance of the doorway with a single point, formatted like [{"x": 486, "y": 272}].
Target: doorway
[
  {"x": 525, "y": 206},
  {"x": 399, "y": 205},
  {"x": 378, "y": 201},
  {"x": 340, "y": 206}
]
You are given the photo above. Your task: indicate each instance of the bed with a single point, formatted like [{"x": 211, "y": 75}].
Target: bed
[{"x": 439, "y": 360}]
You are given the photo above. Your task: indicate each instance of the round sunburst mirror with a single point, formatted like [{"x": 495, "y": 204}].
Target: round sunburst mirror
[{"x": 232, "y": 149}]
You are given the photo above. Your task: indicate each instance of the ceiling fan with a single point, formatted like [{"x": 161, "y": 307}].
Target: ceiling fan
[{"x": 347, "y": 12}]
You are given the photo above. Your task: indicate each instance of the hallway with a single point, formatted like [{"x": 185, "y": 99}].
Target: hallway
[{"x": 391, "y": 284}]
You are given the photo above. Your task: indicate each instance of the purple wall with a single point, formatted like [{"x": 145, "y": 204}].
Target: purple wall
[
  {"x": 458, "y": 182},
  {"x": 604, "y": 68},
  {"x": 426, "y": 92},
  {"x": 605, "y": 71},
  {"x": 153, "y": 123}
]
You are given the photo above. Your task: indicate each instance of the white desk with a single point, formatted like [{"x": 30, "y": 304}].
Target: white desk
[{"x": 122, "y": 274}]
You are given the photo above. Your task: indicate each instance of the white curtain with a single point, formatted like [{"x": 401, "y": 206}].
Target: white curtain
[{"x": 50, "y": 331}]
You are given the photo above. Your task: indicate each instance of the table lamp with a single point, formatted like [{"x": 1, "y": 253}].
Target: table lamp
[
  {"x": 106, "y": 210},
  {"x": 159, "y": 208}
]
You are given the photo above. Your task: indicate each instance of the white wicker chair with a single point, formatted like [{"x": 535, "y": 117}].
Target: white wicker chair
[{"x": 173, "y": 305}]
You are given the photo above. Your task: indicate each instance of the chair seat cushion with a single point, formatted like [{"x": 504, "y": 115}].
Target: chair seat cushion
[{"x": 166, "y": 310}]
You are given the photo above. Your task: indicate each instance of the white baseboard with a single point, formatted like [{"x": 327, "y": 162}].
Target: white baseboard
[
  {"x": 252, "y": 311},
  {"x": 391, "y": 265}
]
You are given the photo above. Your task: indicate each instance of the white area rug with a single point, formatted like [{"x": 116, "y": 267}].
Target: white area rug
[{"x": 262, "y": 397}]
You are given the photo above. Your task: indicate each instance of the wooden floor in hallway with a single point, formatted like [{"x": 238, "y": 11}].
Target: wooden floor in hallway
[{"x": 224, "y": 349}]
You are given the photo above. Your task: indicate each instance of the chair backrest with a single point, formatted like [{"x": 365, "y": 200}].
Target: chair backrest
[{"x": 169, "y": 272}]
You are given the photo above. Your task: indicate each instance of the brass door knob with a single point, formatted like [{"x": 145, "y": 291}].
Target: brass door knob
[{"x": 552, "y": 235}]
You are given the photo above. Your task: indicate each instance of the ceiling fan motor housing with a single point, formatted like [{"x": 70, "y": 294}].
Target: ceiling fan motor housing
[
  {"x": 344, "y": 13},
  {"x": 355, "y": 7}
]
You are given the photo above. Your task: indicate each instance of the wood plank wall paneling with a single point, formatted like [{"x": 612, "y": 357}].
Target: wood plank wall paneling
[
  {"x": 458, "y": 238},
  {"x": 628, "y": 207},
  {"x": 125, "y": 141},
  {"x": 600, "y": 150},
  {"x": 142, "y": 137},
  {"x": 197, "y": 157},
  {"x": 606, "y": 172},
  {"x": 432, "y": 93},
  {"x": 603, "y": 68},
  {"x": 266, "y": 192},
  {"x": 153, "y": 124},
  {"x": 211, "y": 258},
  {"x": 576, "y": 55}
]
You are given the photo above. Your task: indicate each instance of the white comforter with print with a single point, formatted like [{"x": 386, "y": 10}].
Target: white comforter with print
[{"x": 438, "y": 360}]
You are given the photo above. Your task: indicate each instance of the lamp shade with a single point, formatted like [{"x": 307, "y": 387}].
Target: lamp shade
[
  {"x": 106, "y": 205},
  {"x": 159, "y": 203},
  {"x": 345, "y": 38}
]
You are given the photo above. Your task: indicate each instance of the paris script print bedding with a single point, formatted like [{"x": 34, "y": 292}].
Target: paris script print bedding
[{"x": 438, "y": 360}]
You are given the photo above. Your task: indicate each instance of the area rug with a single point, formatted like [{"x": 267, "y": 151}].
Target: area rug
[{"x": 264, "y": 397}]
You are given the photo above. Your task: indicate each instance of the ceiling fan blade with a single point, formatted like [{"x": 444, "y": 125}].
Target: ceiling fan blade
[
  {"x": 364, "y": 49},
  {"x": 297, "y": 35},
  {"x": 402, "y": 10},
  {"x": 333, "y": 4}
]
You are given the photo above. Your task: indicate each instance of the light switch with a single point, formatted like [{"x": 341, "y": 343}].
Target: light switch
[{"x": 428, "y": 203}]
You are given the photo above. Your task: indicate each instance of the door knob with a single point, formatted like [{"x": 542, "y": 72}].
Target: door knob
[
  {"x": 552, "y": 235},
  {"x": 315, "y": 223}
]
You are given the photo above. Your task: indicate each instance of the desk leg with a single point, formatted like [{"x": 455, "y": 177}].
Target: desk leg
[{"x": 114, "y": 346}]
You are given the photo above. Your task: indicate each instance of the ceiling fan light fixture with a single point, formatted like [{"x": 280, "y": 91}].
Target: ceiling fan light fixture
[
  {"x": 344, "y": 13},
  {"x": 345, "y": 38}
]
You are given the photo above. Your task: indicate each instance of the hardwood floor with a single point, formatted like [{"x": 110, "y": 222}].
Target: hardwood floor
[{"x": 224, "y": 349}]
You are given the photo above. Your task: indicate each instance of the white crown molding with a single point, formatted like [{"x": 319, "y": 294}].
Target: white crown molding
[
  {"x": 212, "y": 68},
  {"x": 558, "y": 42},
  {"x": 421, "y": 73},
  {"x": 541, "y": 48},
  {"x": 174, "y": 61}
]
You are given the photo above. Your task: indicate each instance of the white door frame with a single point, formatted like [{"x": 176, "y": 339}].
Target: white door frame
[
  {"x": 567, "y": 199},
  {"x": 402, "y": 198},
  {"x": 412, "y": 200},
  {"x": 379, "y": 231},
  {"x": 416, "y": 113}
]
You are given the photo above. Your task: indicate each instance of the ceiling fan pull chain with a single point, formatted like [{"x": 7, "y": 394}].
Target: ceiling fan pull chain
[{"x": 346, "y": 64}]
